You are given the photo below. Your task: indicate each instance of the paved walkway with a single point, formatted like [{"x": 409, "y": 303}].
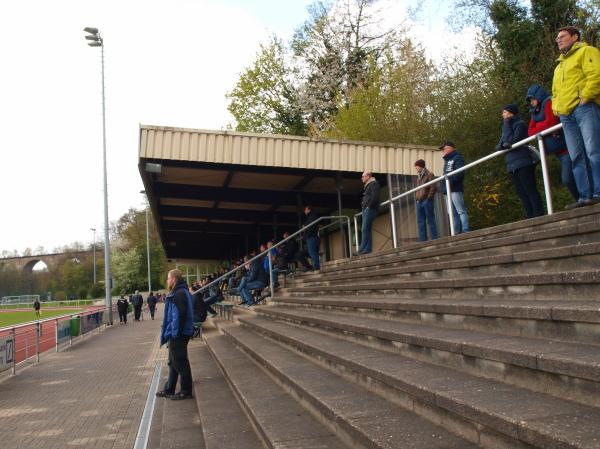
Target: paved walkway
[{"x": 91, "y": 395}]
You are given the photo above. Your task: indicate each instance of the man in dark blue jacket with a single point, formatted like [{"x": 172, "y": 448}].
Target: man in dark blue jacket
[
  {"x": 312, "y": 236},
  {"x": 370, "y": 209},
  {"x": 255, "y": 279},
  {"x": 177, "y": 328},
  {"x": 519, "y": 162},
  {"x": 453, "y": 160}
]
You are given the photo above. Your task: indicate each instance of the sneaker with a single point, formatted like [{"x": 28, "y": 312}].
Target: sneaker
[
  {"x": 577, "y": 204},
  {"x": 592, "y": 201}
]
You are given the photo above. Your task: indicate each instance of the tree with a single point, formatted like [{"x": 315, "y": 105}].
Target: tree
[{"x": 265, "y": 98}]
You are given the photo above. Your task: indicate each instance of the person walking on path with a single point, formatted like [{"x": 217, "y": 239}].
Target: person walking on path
[
  {"x": 37, "y": 307},
  {"x": 177, "y": 328},
  {"x": 453, "y": 160},
  {"x": 151, "y": 300},
  {"x": 425, "y": 205},
  {"x": 576, "y": 100},
  {"x": 519, "y": 162},
  {"x": 370, "y": 209},
  {"x": 122, "y": 306},
  {"x": 138, "y": 302}
]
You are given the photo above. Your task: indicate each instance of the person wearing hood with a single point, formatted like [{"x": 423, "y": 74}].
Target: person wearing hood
[
  {"x": 542, "y": 118},
  {"x": 519, "y": 162},
  {"x": 177, "y": 328},
  {"x": 425, "y": 206},
  {"x": 576, "y": 100}
]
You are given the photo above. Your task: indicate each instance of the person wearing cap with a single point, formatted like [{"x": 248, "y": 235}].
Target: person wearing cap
[
  {"x": 519, "y": 161},
  {"x": 453, "y": 160},
  {"x": 576, "y": 100},
  {"x": 542, "y": 118},
  {"x": 370, "y": 209},
  {"x": 425, "y": 206}
]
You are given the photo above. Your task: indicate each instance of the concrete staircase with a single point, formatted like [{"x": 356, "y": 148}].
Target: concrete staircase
[{"x": 490, "y": 339}]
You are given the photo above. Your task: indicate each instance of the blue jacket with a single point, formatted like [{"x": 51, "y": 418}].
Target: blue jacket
[
  {"x": 178, "y": 317},
  {"x": 514, "y": 129},
  {"x": 257, "y": 272},
  {"x": 453, "y": 161}
]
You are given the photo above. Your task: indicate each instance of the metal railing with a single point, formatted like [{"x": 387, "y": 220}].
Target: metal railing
[
  {"x": 446, "y": 178},
  {"x": 18, "y": 339},
  {"x": 281, "y": 242}
]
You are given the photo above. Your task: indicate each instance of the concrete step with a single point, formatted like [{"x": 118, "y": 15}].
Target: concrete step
[
  {"x": 181, "y": 427},
  {"x": 279, "y": 419},
  {"x": 549, "y": 285},
  {"x": 551, "y": 225},
  {"x": 564, "y": 369},
  {"x": 156, "y": 426},
  {"x": 566, "y": 258},
  {"x": 225, "y": 425},
  {"x": 492, "y": 413},
  {"x": 567, "y": 320},
  {"x": 359, "y": 417}
]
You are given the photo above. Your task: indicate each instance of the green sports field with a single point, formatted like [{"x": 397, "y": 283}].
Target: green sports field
[{"x": 10, "y": 318}]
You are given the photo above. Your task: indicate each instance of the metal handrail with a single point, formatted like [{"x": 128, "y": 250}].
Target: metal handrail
[
  {"x": 58, "y": 317},
  {"x": 539, "y": 136},
  {"x": 258, "y": 256}
]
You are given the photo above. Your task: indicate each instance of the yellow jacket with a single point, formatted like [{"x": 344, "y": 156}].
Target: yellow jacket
[{"x": 576, "y": 77}]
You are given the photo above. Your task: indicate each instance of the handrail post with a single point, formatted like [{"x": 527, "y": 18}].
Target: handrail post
[
  {"x": 271, "y": 285},
  {"x": 349, "y": 238},
  {"x": 356, "y": 232},
  {"x": 37, "y": 341},
  {"x": 545, "y": 176},
  {"x": 449, "y": 205},
  {"x": 392, "y": 211},
  {"x": 14, "y": 351}
]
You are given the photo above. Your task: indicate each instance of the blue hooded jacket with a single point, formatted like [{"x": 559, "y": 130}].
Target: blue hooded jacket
[
  {"x": 514, "y": 130},
  {"x": 453, "y": 161},
  {"x": 178, "y": 317},
  {"x": 556, "y": 141}
]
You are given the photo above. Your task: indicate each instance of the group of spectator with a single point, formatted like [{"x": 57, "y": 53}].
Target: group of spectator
[
  {"x": 137, "y": 302},
  {"x": 575, "y": 102}
]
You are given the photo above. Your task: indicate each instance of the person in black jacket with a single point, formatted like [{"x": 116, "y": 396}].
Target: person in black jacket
[
  {"x": 122, "y": 306},
  {"x": 312, "y": 237},
  {"x": 138, "y": 302},
  {"x": 519, "y": 162},
  {"x": 370, "y": 209},
  {"x": 292, "y": 253},
  {"x": 453, "y": 160},
  {"x": 151, "y": 300}
]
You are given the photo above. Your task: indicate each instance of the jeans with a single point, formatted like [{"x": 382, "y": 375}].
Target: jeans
[
  {"x": 582, "y": 133},
  {"x": 179, "y": 365},
  {"x": 425, "y": 215},
  {"x": 313, "y": 250},
  {"x": 366, "y": 242},
  {"x": 245, "y": 288},
  {"x": 524, "y": 181},
  {"x": 566, "y": 174},
  {"x": 152, "y": 310},
  {"x": 459, "y": 212}
]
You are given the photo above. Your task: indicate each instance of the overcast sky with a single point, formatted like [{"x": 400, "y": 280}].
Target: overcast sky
[{"x": 166, "y": 63}]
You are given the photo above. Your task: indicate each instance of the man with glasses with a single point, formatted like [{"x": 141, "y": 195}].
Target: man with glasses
[{"x": 576, "y": 99}]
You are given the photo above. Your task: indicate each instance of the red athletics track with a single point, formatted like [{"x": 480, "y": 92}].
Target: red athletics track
[{"x": 25, "y": 336}]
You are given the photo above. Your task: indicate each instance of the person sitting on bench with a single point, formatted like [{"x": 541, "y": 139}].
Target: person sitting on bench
[{"x": 256, "y": 279}]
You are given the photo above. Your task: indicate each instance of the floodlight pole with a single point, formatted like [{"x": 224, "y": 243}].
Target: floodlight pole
[
  {"x": 97, "y": 41},
  {"x": 94, "y": 231},
  {"x": 148, "y": 241}
]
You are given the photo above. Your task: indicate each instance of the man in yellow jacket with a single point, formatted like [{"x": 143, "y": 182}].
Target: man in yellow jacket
[{"x": 576, "y": 99}]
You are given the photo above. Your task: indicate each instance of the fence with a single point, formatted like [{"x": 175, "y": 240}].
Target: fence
[{"x": 23, "y": 342}]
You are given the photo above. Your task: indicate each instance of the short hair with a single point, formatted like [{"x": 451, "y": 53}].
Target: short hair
[
  {"x": 369, "y": 174},
  {"x": 573, "y": 31},
  {"x": 176, "y": 274}
]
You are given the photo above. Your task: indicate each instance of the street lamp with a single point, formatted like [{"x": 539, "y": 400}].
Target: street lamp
[
  {"x": 148, "y": 240},
  {"x": 97, "y": 41},
  {"x": 94, "y": 231}
]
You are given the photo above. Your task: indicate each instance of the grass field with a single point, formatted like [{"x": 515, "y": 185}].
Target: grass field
[{"x": 10, "y": 318}]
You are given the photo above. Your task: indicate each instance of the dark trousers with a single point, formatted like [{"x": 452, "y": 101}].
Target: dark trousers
[
  {"x": 152, "y": 310},
  {"x": 137, "y": 310},
  {"x": 524, "y": 181},
  {"x": 208, "y": 302},
  {"x": 123, "y": 317},
  {"x": 179, "y": 365}
]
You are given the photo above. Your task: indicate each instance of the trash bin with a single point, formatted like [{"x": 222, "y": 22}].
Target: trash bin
[
  {"x": 75, "y": 324},
  {"x": 129, "y": 308}
]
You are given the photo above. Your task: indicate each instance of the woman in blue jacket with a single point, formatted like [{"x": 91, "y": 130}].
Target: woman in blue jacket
[{"x": 519, "y": 162}]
